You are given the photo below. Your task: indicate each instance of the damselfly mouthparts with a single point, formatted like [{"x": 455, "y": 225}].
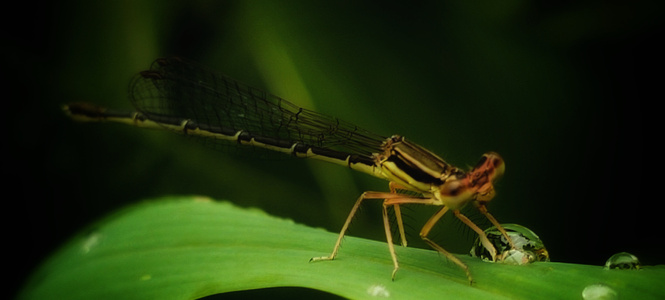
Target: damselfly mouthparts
[{"x": 182, "y": 96}]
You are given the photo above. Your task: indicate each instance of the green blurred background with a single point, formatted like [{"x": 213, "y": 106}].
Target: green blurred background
[{"x": 557, "y": 89}]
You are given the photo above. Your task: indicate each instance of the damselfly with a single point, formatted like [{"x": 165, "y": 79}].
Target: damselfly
[{"x": 182, "y": 96}]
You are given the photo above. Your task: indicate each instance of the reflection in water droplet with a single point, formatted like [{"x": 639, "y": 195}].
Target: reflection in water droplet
[
  {"x": 599, "y": 292},
  {"x": 529, "y": 247},
  {"x": 622, "y": 261},
  {"x": 516, "y": 257}
]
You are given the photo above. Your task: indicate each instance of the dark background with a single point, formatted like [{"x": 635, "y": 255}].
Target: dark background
[{"x": 558, "y": 89}]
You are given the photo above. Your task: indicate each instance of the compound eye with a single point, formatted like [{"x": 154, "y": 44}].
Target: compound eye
[
  {"x": 499, "y": 166},
  {"x": 496, "y": 161},
  {"x": 492, "y": 164}
]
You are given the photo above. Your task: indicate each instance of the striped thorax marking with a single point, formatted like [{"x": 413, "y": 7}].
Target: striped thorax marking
[{"x": 413, "y": 166}]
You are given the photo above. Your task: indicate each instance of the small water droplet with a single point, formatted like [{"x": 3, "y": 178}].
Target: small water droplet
[
  {"x": 90, "y": 242},
  {"x": 599, "y": 292},
  {"x": 378, "y": 290},
  {"x": 529, "y": 247},
  {"x": 622, "y": 261}
]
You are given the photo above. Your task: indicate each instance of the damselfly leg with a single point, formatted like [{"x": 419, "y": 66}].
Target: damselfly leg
[{"x": 451, "y": 189}]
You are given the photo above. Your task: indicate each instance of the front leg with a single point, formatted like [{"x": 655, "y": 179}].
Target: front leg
[
  {"x": 483, "y": 209},
  {"x": 425, "y": 231}
]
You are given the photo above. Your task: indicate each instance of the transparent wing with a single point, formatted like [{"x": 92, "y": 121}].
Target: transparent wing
[{"x": 178, "y": 88}]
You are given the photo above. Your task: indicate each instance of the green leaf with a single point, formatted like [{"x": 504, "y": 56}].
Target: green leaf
[{"x": 188, "y": 247}]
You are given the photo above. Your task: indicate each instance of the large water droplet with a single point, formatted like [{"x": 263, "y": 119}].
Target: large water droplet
[
  {"x": 528, "y": 246},
  {"x": 622, "y": 261}
]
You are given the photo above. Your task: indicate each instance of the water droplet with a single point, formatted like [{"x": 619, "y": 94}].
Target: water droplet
[
  {"x": 599, "y": 292},
  {"x": 528, "y": 246},
  {"x": 90, "y": 242},
  {"x": 378, "y": 290},
  {"x": 622, "y": 261}
]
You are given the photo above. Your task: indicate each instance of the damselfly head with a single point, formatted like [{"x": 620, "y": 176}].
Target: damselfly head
[
  {"x": 492, "y": 164},
  {"x": 483, "y": 176}
]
